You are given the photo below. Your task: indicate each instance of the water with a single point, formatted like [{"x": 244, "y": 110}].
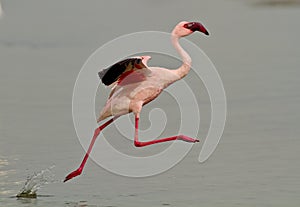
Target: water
[
  {"x": 256, "y": 51},
  {"x": 35, "y": 182}
]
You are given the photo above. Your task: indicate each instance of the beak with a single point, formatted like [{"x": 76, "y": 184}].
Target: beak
[{"x": 196, "y": 26}]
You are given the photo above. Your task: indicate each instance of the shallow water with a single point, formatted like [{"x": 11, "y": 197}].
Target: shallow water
[{"x": 256, "y": 51}]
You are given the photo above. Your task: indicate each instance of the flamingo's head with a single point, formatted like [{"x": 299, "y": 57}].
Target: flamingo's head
[{"x": 185, "y": 28}]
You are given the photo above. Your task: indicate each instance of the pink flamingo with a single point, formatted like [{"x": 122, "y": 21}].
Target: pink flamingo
[{"x": 135, "y": 84}]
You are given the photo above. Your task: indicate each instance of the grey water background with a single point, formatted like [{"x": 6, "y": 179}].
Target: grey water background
[{"x": 255, "y": 47}]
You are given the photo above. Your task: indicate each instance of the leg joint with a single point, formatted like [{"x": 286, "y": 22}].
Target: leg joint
[{"x": 138, "y": 144}]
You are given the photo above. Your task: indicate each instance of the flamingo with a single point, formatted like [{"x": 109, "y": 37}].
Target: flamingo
[{"x": 136, "y": 84}]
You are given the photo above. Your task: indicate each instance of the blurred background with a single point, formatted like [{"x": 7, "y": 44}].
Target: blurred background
[{"x": 255, "y": 47}]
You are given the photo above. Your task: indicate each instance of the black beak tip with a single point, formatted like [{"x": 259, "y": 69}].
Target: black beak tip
[{"x": 205, "y": 32}]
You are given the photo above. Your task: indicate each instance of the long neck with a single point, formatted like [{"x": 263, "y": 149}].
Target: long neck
[{"x": 186, "y": 59}]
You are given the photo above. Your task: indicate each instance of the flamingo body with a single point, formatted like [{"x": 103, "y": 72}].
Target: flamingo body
[{"x": 135, "y": 90}]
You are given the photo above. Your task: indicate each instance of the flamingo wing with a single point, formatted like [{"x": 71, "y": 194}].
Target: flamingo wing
[{"x": 121, "y": 69}]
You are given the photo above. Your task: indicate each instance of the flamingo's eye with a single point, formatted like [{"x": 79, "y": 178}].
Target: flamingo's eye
[{"x": 188, "y": 25}]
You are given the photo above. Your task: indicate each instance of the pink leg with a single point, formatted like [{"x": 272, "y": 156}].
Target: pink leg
[
  {"x": 96, "y": 133},
  {"x": 137, "y": 143}
]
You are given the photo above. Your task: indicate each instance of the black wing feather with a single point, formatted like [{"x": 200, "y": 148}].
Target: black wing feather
[{"x": 112, "y": 73}]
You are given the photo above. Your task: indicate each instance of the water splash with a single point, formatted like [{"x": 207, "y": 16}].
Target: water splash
[{"x": 35, "y": 182}]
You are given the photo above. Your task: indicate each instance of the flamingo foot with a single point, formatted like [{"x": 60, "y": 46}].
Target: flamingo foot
[
  {"x": 187, "y": 139},
  {"x": 73, "y": 174}
]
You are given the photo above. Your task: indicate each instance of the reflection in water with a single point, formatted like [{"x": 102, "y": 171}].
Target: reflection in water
[
  {"x": 27, "y": 201},
  {"x": 35, "y": 182}
]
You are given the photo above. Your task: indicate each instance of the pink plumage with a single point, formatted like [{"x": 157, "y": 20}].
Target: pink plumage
[{"x": 136, "y": 84}]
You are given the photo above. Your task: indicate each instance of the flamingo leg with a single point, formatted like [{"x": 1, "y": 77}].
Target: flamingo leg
[
  {"x": 137, "y": 143},
  {"x": 96, "y": 133}
]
